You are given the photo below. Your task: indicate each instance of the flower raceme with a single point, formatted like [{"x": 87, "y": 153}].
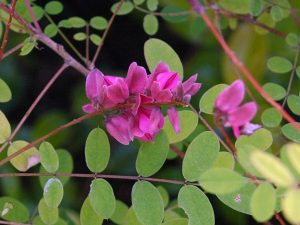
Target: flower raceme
[
  {"x": 231, "y": 114},
  {"x": 141, "y": 120}
]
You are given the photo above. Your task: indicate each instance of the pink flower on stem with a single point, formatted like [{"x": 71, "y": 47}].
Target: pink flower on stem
[
  {"x": 139, "y": 121},
  {"x": 229, "y": 111}
]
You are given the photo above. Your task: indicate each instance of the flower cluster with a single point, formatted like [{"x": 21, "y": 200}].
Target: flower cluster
[
  {"x": 228, "y": 109},
  {"x": 139, "y": 90}
]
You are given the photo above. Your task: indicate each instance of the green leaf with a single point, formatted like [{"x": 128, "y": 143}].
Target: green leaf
[
  {"x": 261, "y": 139},
  {"x": 98, "y": 22},
  {"x": 156, "y": 50},
  {"x": 65, "y": 166},
  {"x": 224, "y": 160},
  {"x": 292, "y": 39},
  {"x": 277, "y": 13},
  {"x": 272, "y": 169},
  {"x": 221, "y": 181},
  {"x": 293, "y": 153},
  {"x": 152, "y": 4},
  {"x": 131, "y": 218},
  {"x": 164, "y": 194},
  {"x": 119, "y": 216},
  {"x": 236, "y": 6},
  {"x": 207, "y": 101},
  {"x": 263, "y": 202},
  {"x": 173, "y": 19},
  {"x": 244, "y": 153},
  {"x": 49, "y": 157},
  {"x": 150, "y": 24},
  {"x": 196, "y": 205},
  {"x": 289, "y": 131},
  {"x": 271, "y": 118},
  {"x": 54, "y": 7},
  {"x": 102, "y": 198},
  {"x": 138, "y": 2},
  {"x": 255, "y": 61},
  {"x": 51, "y": 30},
  {"x": 65, "y": 24},
  {"x": 177, "y": 221},
  {"x": 152, "y": 155},
  {"x": 294, "y": 104},
  {"x": 97, "y": 150},
  {"x": 147, "y": 203},
  {"x": 80, "y": 36},
  {"x": 25, "y": 160},
  {"x": 291, "y": 205},
  {"x": 298, "y": 71},
  {"x": 200, "y": 155},
  {"x": 77, "y": 22},
  {"x": 5, "y": 129},
  {"x": 5, "y": 93},
  {"x": 240, "y": 199},
  {"x": 13, "y": 210},
  {"x": 96, "y": 39},
  {"x": 53, "y": 192},
  {"x": 279, "y": 64},
  {"x": 276, "y": 91},
  {"x": 125, "y": 9},
  {"x": 27, "y": 48},
  {"x": 88, "y": 216},
  {"x": 48, "y": 214},
  {"x": 188, "y": 123},
  {"x": 256, "y": 7}
]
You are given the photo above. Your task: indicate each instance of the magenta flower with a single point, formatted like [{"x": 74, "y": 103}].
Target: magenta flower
[
  {"x": 140, "y": 119},
  {"x": 229, "y": 111}
]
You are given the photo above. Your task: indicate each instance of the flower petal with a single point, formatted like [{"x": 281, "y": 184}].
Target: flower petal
[
  {"x": 136, "y": 78},
  {"x": 118, "y": 127},
  {"x": 174, "y": 119},
  {"x": 189, "y": 82},
  {"x": 88, "y": 108},
  {"x": 118, "y": 92},
  {"x": 94, "y": 82},
  {"x": 242, "y": 115},
  {"x": 168, "y": 80},
  {"x": 231, "y": 97}
]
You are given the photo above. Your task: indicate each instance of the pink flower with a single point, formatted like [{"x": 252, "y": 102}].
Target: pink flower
[
  {"x": 229, "y": 111},
  {"x": 140, "y": 120}
]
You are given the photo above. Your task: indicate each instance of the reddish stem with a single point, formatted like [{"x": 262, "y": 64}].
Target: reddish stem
[
  {"x": 12, "y": 50},
  {"x": 7, "y": 27},
  {"x": 74, "y": 122},
  {"x": 198, "y": 8},
  {"x": 33, "y": 18},
  {"x": 176, "y": 150}
]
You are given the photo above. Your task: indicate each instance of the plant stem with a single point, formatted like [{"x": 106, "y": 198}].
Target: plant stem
[
  {"x": 291, "y": 77},
  {"x": 12, "y": 223},
  {"x": 200, "y": 10},
  {"x": 105, "y": 176},
  {"x": 176, "y": 150},
  {"x": 34, "y": 104},
  {"x": 12, "y": 50},
  {"x": 77, "y": 121},
  {"x": 7, "y": 28},
  {"x": 33, "y": 18},
  {"x": 105, "y": 33}
]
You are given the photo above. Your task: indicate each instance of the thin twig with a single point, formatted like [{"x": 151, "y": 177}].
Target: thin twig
[
  {"x": 200, "y": 10},
  {"x": 33, "y": 105},
  {"x": 7, "y": 28},
  {"x": 12, "y": 50},
  {"x": 87, "y": 45},
  {"x": 105, "y": 33},
  {"x": 176, "y": 150},
  {"x": 291, "y": 77},
  {"x": 12, "y": 223},
  {"x": 106, "y": 176},
  {"x": 173, "y": 14},
  {"x": 33, "y": 18},
  {"x": 77, "y": 121}
]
